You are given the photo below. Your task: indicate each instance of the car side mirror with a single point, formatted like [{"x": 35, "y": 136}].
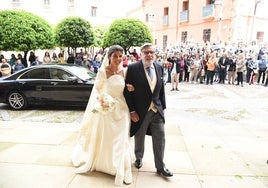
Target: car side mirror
[{"x": 73, "y": 79}]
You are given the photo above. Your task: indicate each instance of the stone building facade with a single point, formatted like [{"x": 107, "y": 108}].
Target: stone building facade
[{"x": 198, "y": 21}]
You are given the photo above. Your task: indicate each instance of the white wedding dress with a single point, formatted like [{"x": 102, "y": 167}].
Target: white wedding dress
[{"x": 104, "y": 144}]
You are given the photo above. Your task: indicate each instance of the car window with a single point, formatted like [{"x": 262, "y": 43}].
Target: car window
[
  {"x": 35, "y": 74},
  {"x": 59, "y": 74},
  {"x": 82, "y": 72}
]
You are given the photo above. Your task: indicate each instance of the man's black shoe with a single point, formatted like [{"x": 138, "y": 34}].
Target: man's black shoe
[
  {"x": 164, "y": 172},
  {"x": 138, "y": 163}
]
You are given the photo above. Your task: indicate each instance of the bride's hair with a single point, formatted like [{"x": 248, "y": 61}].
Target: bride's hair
[
  {"x": 108, "y": 53},
  {"x": 113, "y": 49}
]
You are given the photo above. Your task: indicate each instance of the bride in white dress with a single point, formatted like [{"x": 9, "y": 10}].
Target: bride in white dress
[{"x": 104, "y": 144}]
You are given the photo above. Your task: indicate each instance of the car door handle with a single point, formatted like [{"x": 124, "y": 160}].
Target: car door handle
[
  {"x": 54, "y": 83},
  {"x": 38, "y": 88}
]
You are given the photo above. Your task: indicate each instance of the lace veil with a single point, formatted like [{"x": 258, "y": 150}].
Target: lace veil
[{"x": 99, "y": 80}]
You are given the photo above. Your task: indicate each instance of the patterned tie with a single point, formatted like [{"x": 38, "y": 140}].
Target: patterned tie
[{"x": 150, "y": 72}]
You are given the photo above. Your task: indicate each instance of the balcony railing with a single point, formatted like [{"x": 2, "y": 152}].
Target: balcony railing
[
  {"x": 208, "y": 11},
  {"x": 184, "y": 16},
  {"x": 165, "y": 19}
]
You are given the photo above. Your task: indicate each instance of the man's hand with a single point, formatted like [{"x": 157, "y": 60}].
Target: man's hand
[{"x": 134, "y": 117}]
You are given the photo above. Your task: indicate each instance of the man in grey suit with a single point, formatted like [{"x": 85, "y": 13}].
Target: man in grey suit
[{"x": 146, "y": 105}]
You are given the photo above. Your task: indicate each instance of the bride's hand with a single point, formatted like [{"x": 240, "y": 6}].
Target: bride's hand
[{"x": 130, "y": 87}]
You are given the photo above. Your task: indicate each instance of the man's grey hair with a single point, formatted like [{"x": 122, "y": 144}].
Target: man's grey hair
[{"x": 146, "y": 45}]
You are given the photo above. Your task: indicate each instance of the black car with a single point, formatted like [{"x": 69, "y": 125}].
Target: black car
[{"x": 48, "y": 84}]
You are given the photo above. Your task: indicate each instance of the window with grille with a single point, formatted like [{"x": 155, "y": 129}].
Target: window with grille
[
  {"x": 206, "y": 35},
  {"x": 71, "y": 3},
  {"x": 184, "y": 36},
  {"x": 260, "y": 36},
  {"x": 46, "y": 2},
  {"x": 166, "y": 16},
  {"x": 93, "y": 11},
  {"x": 15, "y": 3}
]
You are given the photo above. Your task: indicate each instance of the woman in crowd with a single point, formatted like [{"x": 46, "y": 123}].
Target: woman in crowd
[
  {"x": 18, "y": 66},
  {"x": 54, "y": 58},
  {"x": 36, "y": 62},
  {"x": 61, "y": 58},
  {"x": 195, "y": 68},
  {"x": 174, "y": 71},
  {"x": 204, "y": 68},
  {"x": 31, "y": 57},
  {"x": 23, "y": 60},
  {"x": 240, "y": 64},
  {"x": 46, "y": 58},
  {"x": 252, "y": 67},
  {"x": 12, "y": 61},
  {"x": 232, "y": 69},
  {"x": 211, "y": 65},
  {"x": 5, "y": 68}
]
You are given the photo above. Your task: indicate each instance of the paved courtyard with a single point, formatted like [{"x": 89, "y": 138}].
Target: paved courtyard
[{"x": 216, "y": 137}]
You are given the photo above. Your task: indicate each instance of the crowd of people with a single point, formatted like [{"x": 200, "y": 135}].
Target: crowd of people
[
  {"x": 187, "y": 62},
  {"x": 14, "y": 64},
  {"x": 86, "y": 59},
  {"x": 208, "y": 64}
]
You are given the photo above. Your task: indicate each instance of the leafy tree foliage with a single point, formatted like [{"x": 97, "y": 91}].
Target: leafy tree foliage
[
  {"x": 74, "y": 32},
  {"x": 99, "y": 32},
  {"x": 24, "y": 31},
  {"x": 127, "y": 32}
]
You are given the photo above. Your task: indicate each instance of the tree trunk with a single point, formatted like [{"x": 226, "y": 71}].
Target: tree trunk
[{"x": 25, "y": 57}]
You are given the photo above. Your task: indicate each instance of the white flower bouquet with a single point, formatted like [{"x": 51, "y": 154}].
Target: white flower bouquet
[{"x": 104, "y": 103}]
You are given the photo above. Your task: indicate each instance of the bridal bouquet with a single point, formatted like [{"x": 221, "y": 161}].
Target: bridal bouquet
[{"x": 104, "y": 103}]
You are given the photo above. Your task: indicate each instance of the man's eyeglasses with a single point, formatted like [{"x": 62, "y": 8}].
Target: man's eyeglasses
[{"x": 148, "y": 52}]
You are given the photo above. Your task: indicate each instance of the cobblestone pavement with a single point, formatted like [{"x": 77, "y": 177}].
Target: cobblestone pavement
[
  {"x": 216, "y": 137},
  {"x": 42, "y": 114}
]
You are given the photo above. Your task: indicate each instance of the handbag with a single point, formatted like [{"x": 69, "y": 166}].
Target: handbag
[
  {"x": 255, "y": 71},
  {"x": 202, "y": 72}
]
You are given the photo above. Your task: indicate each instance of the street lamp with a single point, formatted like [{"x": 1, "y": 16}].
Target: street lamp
[{"x": 253, "y": 21}]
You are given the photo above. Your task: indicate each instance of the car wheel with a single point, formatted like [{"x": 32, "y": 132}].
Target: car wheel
[{"x": 17, "y": 100}]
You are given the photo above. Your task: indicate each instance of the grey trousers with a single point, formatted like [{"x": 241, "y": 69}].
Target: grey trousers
[{"x": 156, "y": 124}]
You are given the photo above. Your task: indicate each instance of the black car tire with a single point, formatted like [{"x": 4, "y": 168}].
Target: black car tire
[{"x": 17, "y": 100}]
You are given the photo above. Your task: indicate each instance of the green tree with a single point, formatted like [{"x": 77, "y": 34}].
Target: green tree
[
  {"x": 74, "y": 32},
  {"x": 99, "y": 32},
  {"x": 24, "y": 31},
  {"x": 127, "y": 32}
]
